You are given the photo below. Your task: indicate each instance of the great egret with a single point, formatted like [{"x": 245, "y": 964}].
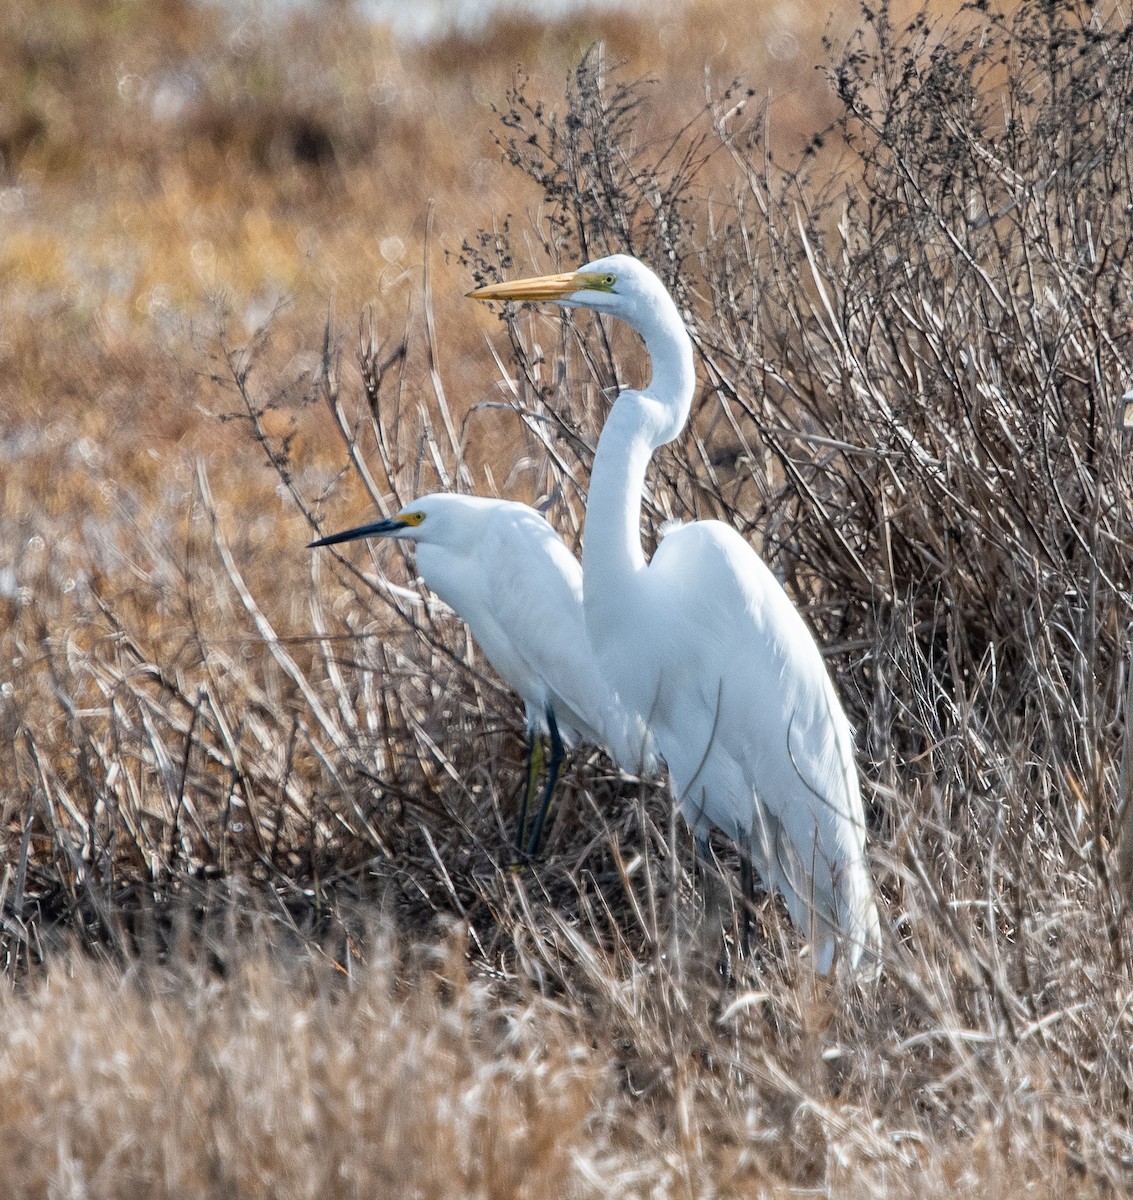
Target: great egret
[
  {"x": 704, "y": 644},
  {"x": 510, "y": 577}
]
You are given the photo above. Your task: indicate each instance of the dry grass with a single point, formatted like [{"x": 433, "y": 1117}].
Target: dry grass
[
  {"x": 291, "y": 1078},
  {"x": 260, "y": 934}
]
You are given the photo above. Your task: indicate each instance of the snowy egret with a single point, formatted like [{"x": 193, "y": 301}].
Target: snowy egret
[
  {"x": 705, "y": 645},
  {"x": 510, "y": 577}
]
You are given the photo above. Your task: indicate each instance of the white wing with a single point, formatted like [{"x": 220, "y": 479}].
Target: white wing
[
  {"x": 537, "y": 594},
  {"x": 762, "y": 746},
  {"x": 534, "y": 590},
  {"x": 519, "y": 589}
]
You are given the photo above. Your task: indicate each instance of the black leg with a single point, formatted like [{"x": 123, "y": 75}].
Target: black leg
[
  {"x": 552, "y": 779},
  {"x": 534, "y": 766},
  {"x": 747, "y": 899},
  {"x": 716, "y": 893}
]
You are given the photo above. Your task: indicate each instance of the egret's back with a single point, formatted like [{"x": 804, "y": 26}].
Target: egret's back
[
  {"x": 744, "y": 713},
  {"x": 517, "y": 586}
]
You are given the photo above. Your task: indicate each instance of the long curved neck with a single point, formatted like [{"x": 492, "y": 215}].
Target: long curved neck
[
  {"x": 611, "y": 547},
  {"x": 669, "y": 348},
  {"x": 639, "y": 422}
]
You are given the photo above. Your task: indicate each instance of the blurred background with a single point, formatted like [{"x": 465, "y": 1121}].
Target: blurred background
[
  {"x": 174, "y": 169},
  {"x": 160, "y": 161}
]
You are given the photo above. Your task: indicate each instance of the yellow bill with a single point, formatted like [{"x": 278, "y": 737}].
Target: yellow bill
[{"x": 545, "y": 287}]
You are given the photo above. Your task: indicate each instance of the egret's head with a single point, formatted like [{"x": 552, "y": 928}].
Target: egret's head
[
  {"x": 433, "y": 519},
  {"x": 619, "y": 285}
]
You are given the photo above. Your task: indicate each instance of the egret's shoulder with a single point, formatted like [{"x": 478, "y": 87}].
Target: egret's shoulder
[
  {"x": 524, "y": 527},
  {"x": 513, "y": 514},
  {"x": 712, "y": 567},
  {"x": 670, "y": 525},
  {"x": 708, "y": 546},
  {"x": 530, "y": 556}
]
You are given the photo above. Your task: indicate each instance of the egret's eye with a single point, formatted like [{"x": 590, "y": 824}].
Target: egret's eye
[
  {"x": 595, "y": 281},
  {"x": 412, "y": 518}
]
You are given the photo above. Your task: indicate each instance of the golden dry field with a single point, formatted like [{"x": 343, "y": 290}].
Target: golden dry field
[{"x": 262, "y": 935}]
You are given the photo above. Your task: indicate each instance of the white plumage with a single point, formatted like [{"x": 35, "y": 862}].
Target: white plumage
[
  {"x": 706, "y": 647},
  {"x": 510, "y": 577}
]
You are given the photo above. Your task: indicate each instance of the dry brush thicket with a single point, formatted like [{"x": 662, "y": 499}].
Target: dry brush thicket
[{"x": 911, "y": 345}]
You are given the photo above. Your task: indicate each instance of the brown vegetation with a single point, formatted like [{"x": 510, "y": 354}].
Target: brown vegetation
[{"x": 260, "y": 933}]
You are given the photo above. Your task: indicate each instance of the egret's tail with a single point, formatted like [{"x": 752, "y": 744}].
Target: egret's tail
[
  {"x": 832, "y": 902},
  {"x": 851, "y": 928},
  {"x": 862, "y": 943}
]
